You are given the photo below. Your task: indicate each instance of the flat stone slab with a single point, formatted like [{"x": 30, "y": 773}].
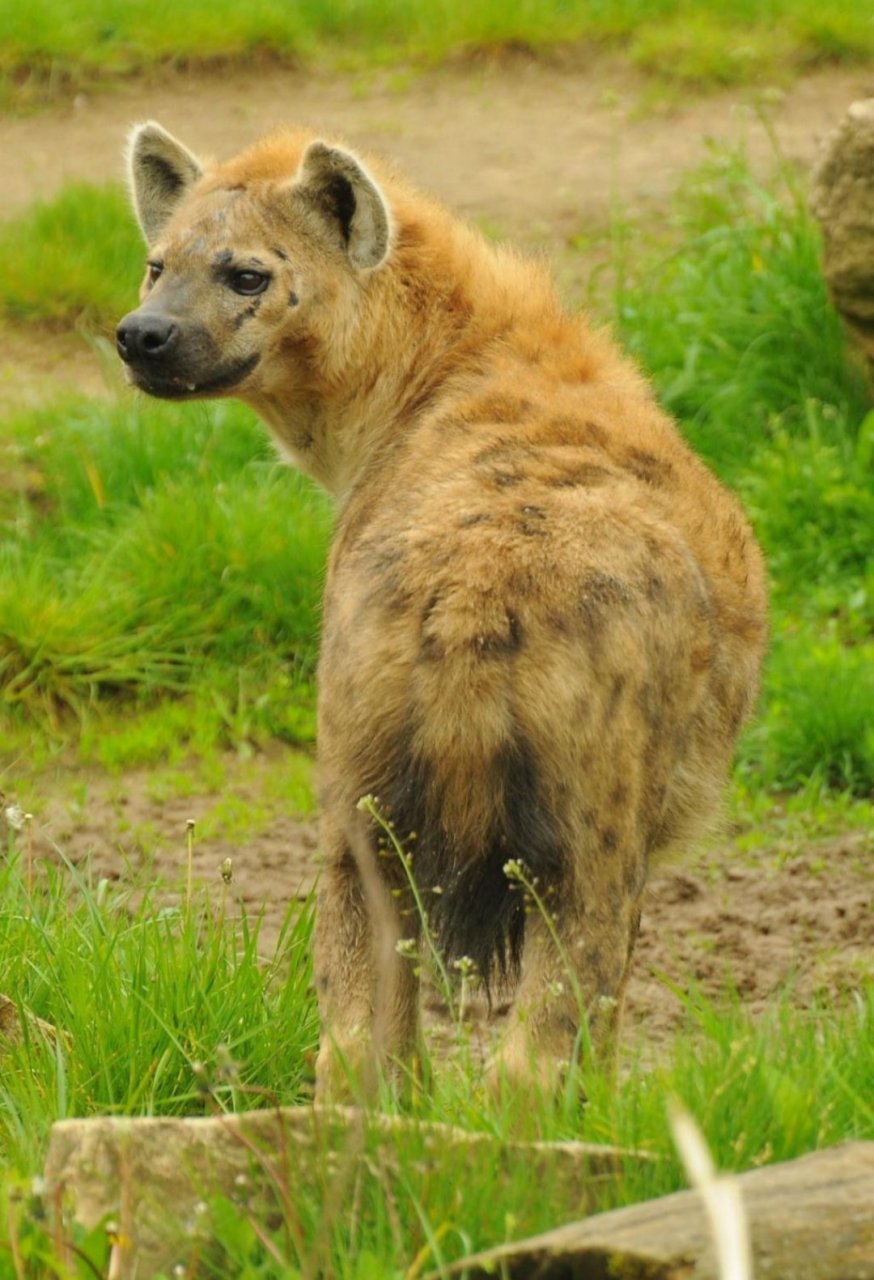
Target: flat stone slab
[
  {"x": 152, "y": 1176},
  {"x": 809, "y": 1219}
]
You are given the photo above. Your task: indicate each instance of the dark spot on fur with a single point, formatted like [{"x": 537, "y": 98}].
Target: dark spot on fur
[
  {"x": 605, "y": 589},
  {"x": 501, "y": 644},
  {"x": 499, "y": 408},
  {"x": 222, "y": 258},
  {"x": 498, "y": 450},
  {"x": 593, "y": 434},
  {"x": 649, "y": 703},
  {"x": 506, "y": 479},
  {"x": 601, "y": 595},
  {"x": 247, "y": 314},
  {"x": 383, "y": 568},
  {"x": 293, "y": 299},
  {"x": 619, "y": 795},
  {"x": 477, "y": 517},
  {"x": 430, "y": 647},
  {"x": 532, "y": 523},
  {"x": 616, "y": 691},
  {"x": 280, "y": 253},
  {"x": 586, "y": 474},
  {"x": 523, "y": 584},
  {"x": 631, "y": 880},
  {"x": 648, "y": 468},
  {"x": 609, "y": 840},
  {"x": 593, "y": 965}
]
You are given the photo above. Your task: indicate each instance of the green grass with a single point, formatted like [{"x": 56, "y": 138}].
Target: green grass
[
  {"x": 74, "y": 260},
  {"x": 168, "y": 1012},
  {"x": 140, "y": 994},
  {"x": 57, "y": 45},
  {"x": 158, "y": 552}
]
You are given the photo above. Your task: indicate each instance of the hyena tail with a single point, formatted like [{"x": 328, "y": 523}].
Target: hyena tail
[{"x": 472, "y": 861}]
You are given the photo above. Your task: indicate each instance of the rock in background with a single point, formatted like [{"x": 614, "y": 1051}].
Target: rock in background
[{"x": 843, "y": 200}]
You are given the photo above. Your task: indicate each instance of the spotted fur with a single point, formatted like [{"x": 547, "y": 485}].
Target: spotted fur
[{"x": 544, "y": 618}]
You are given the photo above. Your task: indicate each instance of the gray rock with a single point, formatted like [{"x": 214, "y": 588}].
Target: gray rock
[
  {"x": 842, "y": 198},
  {"x": 154, "y": 1179}
]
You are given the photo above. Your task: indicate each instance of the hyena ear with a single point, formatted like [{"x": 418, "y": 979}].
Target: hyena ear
[
  {"x": 160, "y": 171},
  {"x": 348, "y": 200}
]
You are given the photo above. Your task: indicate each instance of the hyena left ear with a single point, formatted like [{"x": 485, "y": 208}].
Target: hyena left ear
[
  {"x": 160, "y": 171},
  {"x": 349, "y": 201}
]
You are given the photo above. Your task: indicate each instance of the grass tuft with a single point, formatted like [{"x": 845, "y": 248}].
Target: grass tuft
[
  {"x": 74, "y": 260},
  {"x": 156, "y": 544},
  {"x": 148, "y": 1001}
]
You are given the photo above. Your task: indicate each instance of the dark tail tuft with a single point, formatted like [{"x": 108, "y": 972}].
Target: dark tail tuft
[{"x": 477, "y": 910}]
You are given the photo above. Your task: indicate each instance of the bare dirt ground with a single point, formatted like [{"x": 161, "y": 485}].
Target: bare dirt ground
[{"x": 541, "y": 154}]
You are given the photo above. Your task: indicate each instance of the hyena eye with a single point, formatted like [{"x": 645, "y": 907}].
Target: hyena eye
[
  {"x": 249, "y": 282},
  {"x": 154, "y": 270}
]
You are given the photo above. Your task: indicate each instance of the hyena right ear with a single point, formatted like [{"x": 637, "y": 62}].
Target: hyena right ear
[
  {"x": 349, "y": 202},
  {"x": 160, "y": 171}
]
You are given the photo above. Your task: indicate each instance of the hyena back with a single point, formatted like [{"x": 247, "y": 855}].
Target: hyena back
[{"x": 544, "y": 618}]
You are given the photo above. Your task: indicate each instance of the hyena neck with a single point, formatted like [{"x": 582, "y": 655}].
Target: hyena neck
[{"x": 447, "y": 312}]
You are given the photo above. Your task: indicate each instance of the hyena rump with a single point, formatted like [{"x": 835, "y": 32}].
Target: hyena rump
[{"x": 544, "y": 618}]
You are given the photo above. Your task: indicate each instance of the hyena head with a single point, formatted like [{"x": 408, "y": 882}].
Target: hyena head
[{"x": 247, "y": 264}]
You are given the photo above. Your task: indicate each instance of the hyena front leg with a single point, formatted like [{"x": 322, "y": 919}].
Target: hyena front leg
[
  {"x": 574, "y": 973},
  {"x": 367, "y": 992}
]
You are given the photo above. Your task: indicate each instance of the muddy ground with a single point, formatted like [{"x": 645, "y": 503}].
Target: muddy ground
[{"x": 540, "y": 154}]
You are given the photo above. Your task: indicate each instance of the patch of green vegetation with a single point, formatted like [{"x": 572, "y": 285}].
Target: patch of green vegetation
[
  {"x": 139, "y": 996},
  {"x": 786, "y": 822},
  {"x": 170, "y": 1012},
  {"x": 52, "y": 46},
  {"x": 159, "y": 551},
  {"x": 819, "y": 712},
  {"x": 73, "y": 260}
]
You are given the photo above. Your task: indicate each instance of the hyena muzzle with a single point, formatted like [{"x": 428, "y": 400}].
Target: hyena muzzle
[{"x": 544, "y": 618}]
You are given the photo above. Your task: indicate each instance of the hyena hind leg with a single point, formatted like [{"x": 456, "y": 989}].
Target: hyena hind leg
[
  {"x": 367, "y": 992},
  {"x": 574, "y": 974}
]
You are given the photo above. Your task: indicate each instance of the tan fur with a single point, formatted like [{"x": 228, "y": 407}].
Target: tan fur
[{"x": 544, "y": 618}]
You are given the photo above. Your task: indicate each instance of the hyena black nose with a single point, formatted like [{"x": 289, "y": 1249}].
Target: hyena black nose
[{"x": 145, "y": 337}]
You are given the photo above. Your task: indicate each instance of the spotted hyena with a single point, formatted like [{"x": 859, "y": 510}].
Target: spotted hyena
[{"x": 544, "y": 617}]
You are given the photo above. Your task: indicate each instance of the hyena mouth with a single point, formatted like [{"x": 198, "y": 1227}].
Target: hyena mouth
[{"x": 180, "y": 387}]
